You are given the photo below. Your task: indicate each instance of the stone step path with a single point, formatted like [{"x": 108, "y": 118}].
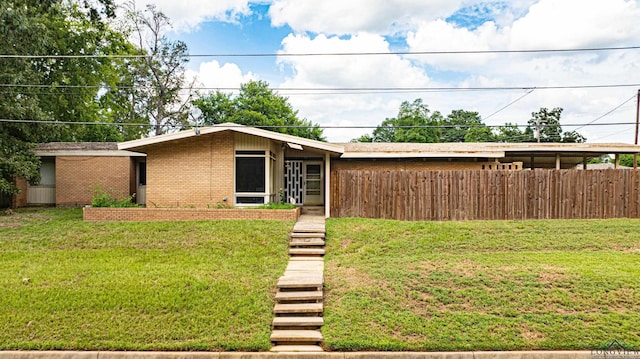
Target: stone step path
[{"x": 299, "y": 298}]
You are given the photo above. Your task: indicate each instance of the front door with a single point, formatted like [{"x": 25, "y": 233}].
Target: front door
[{"x": 313, "y": 183}]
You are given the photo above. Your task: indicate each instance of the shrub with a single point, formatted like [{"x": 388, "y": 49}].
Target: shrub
[
  {"x": 272, "y": 205},
  {"x": 102, "y": 198}
]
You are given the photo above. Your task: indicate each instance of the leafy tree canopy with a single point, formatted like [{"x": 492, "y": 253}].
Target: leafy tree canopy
[
  {"x": 416, "y": 123},
  {"x": 546, "y": 123},
  {"x": 256, "y": 105},
  {"x": 46, "y": 88}
]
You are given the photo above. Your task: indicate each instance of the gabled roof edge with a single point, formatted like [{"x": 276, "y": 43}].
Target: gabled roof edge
[{"x": 325, "y": 146}]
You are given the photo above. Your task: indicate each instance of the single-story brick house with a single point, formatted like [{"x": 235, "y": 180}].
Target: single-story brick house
[
  {"x": 70, "y": 172},
  {"x": 235, "y": 165}
]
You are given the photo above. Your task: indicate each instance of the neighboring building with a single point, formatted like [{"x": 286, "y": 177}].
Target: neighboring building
[
  {"x": 235, "y": 165},
  {"x": 70, "y": 172}
]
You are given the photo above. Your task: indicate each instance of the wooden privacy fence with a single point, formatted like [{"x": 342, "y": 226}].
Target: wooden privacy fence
[{"x": 469, "y": 195}]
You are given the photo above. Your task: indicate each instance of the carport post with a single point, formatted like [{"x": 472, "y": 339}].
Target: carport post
[{"x": 327, "y": 185}]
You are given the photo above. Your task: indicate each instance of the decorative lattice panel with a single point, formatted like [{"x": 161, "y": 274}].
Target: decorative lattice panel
[{"x": 293, "y": 180}]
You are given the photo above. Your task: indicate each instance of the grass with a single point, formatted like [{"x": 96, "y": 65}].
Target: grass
[
  {"x": 67, "y": 284},
  {"x": 521, "y": 285}
]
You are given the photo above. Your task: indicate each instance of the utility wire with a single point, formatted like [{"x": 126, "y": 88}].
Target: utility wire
[
  {"x": 460, "y": 52},
  {"x": 290, "y": 126},
  {"x": 612, "y": 134},
  {"x": 350, "y": 89},
  {"x": 510, "y": 103},
  {"x": 608, "y": 112}
]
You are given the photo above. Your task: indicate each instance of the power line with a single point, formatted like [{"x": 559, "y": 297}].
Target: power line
[
  {"x": 53, "y": 122},
  {"x": 612, "y": 134},
  {"x": 450, "y": 52},
  {"x": 323, "y": 90},
  {"x": 510, "y": 103},
  {"x": 608, "y": 112}
]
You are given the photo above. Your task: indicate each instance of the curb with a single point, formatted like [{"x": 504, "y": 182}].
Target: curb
[{"x": 269, "y": 355}]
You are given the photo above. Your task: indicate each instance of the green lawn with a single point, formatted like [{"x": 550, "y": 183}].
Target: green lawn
[
  {"x": 481, "y": 285},
  {"x": 66, "y": 284}
]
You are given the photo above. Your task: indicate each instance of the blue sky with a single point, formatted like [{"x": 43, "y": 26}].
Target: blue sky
[{"x": 299, "y": 26}]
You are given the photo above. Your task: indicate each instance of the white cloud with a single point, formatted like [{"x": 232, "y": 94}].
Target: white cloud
[
  {"x": 346, "y": 72},
  {"x": 514, "y": 24},
  {"x": 187, "y": 15},
  {"x": 353, "y": 16},
  {"x": 549, "y": 24},
  {"x": 442, "y": 36},
  {"x": 576, "y": 23},
  {"x": 544, "y": 24},
  {"x": 213, "y": 75}
]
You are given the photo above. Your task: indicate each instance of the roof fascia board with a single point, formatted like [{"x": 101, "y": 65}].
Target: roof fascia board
[
  {"x": 365, "y": 155},
  {"x": 88, "y": 153},
  {"x": 237, "y": 128}
]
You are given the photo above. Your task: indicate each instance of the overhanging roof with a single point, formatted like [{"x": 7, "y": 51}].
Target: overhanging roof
[
  {"x": 365, "y": 150},
  {"x": 481, "y": 150},
  {"x": 91, "y": 149},
  {"x": 304, "y": 142}
]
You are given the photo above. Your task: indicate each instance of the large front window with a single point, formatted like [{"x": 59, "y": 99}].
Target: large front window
[{"x": 251, "y": 180}]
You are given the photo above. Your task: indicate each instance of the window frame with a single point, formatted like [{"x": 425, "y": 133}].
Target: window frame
[{"x": 265, "y": 155}]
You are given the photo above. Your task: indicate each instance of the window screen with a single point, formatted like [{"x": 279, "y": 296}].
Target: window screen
[{"x": 250, "y": 174}]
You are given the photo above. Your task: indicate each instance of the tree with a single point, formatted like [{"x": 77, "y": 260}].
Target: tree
[
  {"x": 626, "y": 160},
  {"x": 414, "y": 123},
  {"x": 479, "y": 134},
  {"x": 162, "y": 93},
  {"x": 511, "y": 133},
  {"x": 256, "y": 105},
  {"x": 364, "y": 138},
  {"x": 51, "y": 88},
  {"x": 465, "y": 126},
  {"x": 547, "y": 124}
]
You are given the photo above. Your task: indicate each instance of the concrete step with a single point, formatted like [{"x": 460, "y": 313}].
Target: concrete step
[
  {"x": 298, "y": 308},
  {"x": 306, "y": 259},
  {"x": 301, "y": 280},
  {"x": 297, "y": 336},
  {"x": 295, "y": 296},
  {"x": 308, "y": 227},
  {"x": 305, "y": 266},
  {"x": 298, "y": 322},
  {"x": 296, "y": 348},
  {"x": 306, "y": 242},
  {"x": 305, "y": 235},
  {"x": 306, "y": 251}
]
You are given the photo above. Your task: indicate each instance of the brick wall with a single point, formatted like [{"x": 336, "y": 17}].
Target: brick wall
[
  {"x": 186, "y": 214},
  {"x": 20, "y": 199},
  {"x": 197, "y": 171},
  {"x": 78, "y": 176}
]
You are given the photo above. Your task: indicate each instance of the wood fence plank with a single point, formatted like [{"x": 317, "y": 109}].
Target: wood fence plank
[{"x": 485, "y": 194}]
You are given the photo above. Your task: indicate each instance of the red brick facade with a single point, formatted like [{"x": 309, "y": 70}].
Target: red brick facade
[
  {"x": 20, "y": 199},
  {"x": 77, "y": 177},
  {"x": 197, "y": 171},
  {"x": 187, "y": 214}
]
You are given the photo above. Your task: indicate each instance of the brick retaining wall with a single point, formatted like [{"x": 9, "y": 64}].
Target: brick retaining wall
[{"x": 94, "y": 214}]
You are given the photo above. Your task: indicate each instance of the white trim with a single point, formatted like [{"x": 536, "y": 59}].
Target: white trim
[
  {"x": 321, "y": 196},
  {"x": 334, "y": 148},
  {"x": 327, "y": 185},
  {"x": 92, "y": 153},
  {"x": 366, "y": 155},
  {"x": 267, "y": 165}
]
